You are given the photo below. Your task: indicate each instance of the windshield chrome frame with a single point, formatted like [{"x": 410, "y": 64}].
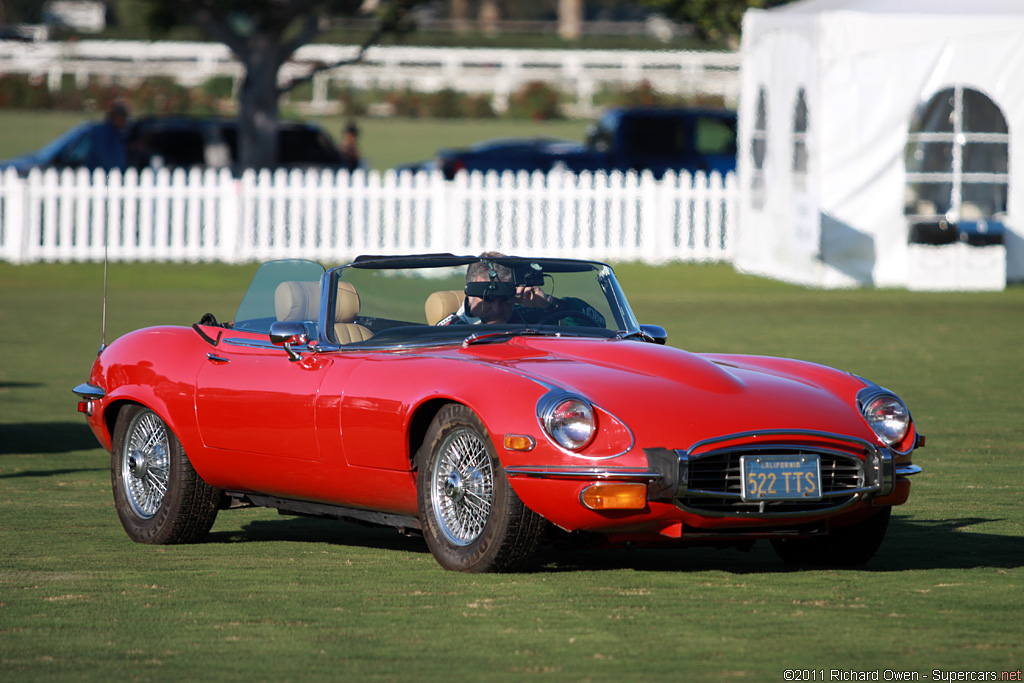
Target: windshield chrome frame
[{"x": 609, "y": 285}]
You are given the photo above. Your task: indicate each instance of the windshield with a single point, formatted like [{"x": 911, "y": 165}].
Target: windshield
[
  {"x": 287, "y": 290},
  {"x": 444, "y": 299},
  {"x": 49, "y": 153}
]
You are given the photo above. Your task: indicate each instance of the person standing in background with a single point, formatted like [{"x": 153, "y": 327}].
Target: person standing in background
[
  {"x": 350, "y": 147},
  {"x": 108, "y": 149}
]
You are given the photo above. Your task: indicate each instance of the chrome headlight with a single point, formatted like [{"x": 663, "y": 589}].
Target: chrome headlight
[
  {"x": 889, "y": 417},
  {"x": 569, "y": 420}
]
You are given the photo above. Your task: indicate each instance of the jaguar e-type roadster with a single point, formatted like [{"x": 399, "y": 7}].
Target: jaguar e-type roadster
[{"x": 489, "y": 403}]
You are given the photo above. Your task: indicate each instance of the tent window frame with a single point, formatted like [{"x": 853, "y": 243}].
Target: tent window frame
[
  {"x": 759, "y": 150},
  {"x": 800, "y": 124},
  {"x": 945, "y": 145}
]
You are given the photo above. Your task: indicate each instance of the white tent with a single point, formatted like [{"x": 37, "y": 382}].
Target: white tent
[{"x": 865, "y": 124}]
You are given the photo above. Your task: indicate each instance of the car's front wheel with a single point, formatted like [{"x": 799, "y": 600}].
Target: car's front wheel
[
  {"x": 158, "y": 495},
  {"x": 472, "y": 519},
  {"x": 847, "y": 547}
]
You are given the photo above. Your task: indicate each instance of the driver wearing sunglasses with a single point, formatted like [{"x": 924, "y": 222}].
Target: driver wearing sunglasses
[{"x": 492, "y": 297}]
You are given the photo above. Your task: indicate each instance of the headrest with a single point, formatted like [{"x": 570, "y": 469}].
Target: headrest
[
  {"x": 442, "y": 304},
  {"x": 295, "y": 300},
  {"x": 346, "y": 308}
]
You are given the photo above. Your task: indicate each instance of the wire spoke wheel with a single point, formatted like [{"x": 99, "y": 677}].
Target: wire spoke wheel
[
  {"x": 145, "y": 464},
  {"x": 463, "y": 487},
  {"x": 472, "y": 519},
  {"x": 158, "y": 495}
]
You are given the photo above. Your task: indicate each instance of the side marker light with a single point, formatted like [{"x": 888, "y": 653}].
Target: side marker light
[
  {"x": 615, "y": 496},
  {"x": 519, "y": 442}
]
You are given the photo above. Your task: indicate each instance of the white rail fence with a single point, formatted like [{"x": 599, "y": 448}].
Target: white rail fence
[
  {"x": 333, "y": 216},
  {"x": 497, "y": 72}
]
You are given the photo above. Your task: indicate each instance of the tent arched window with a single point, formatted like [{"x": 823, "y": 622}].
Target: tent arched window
[
  {"x": 759, "y": 149},
  {"x": 957, "y": 160},
  {"x": 800, "y": 141}
]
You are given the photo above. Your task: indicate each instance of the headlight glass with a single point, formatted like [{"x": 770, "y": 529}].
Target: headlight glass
[
  {"x": 889, "y": 417},
  {"x": 571, "y": 423}
]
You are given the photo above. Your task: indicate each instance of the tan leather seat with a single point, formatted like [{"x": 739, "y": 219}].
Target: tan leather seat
[
  {"x": 300, "y": 301},
  {"x": 346, "y": 308},
  {"x": 295, "y": 300},
  {"x": 442, "y": 304}
]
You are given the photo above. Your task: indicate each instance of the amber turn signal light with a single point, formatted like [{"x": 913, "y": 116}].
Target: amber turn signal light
[
  {"x": 519, "y": 442},
  {"x": 615, "y": 496}
]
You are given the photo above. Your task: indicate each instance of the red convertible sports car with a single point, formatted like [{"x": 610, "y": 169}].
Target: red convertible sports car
[{"x": 489, "y": 402}]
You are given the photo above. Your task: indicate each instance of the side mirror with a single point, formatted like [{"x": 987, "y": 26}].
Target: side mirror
[
  {"x": 655, "y": 334},
  {"x": 288, "y": 334}
]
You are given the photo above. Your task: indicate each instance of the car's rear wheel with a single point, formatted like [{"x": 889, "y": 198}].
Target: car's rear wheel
[
  {"x": 158, "y": 495},
  {"x": 847, "y": 547},
  {"x": 472, "y": 519}
]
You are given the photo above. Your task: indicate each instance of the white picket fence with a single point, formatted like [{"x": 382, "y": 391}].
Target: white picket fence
[{"x": 210, "y": 215}]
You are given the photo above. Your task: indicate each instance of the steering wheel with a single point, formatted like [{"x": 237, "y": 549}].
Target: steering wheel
[{"x": 565, "y": 313}]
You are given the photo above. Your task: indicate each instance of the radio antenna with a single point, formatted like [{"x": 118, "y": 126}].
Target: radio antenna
[
  {"x": 103, "y": 321},
  {"x": 106, "y": 241}
]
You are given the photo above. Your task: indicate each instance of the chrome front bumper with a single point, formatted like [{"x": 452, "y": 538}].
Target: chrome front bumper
[{"x": 704, "y": 478}]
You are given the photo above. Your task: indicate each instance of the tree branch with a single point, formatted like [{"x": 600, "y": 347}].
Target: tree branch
[
  {"x": 311, "y": 28},
  {"x": 214, "y": 24},
  {"x": 386, "y": 24}
]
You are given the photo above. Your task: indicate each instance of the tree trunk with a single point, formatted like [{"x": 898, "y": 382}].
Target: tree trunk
[
  {"x": 570, "y": 19},
  {"x": 460, "y": 15},
  {"x": 490, "y": 17},
  {"x": 258, "y": 103}
]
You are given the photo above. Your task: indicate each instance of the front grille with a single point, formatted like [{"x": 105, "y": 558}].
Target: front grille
[{"x": 714, "y": 484}]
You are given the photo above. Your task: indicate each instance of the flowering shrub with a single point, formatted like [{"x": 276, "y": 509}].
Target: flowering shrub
[
  {"x": 153, "y": 96},
  {"x": 536, "y": 100},
  {"x": 644, "y": 94}
]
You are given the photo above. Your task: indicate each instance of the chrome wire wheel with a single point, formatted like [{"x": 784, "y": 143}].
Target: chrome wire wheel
[
  {"x": 462, "y": 483},
  {"x": 472, "y": 519},
  {"x": 159, "y": 496},
  {"x": 145, "y": 463}
]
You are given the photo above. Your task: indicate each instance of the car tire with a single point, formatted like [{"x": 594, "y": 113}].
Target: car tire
[
  {"x": 158, "y": 495},
  {"x": 471, "y": 518},
  {"x": 847, "y": 547}
]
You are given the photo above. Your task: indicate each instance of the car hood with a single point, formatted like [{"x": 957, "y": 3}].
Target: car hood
[
  {"x": 667, "y": 393},
  {"x": 22, "y": 163},
  {"x": 46, "y": 155}
]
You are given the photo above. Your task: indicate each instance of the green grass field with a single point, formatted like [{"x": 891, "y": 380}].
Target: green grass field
[
  {"x": 384, "y": 142},
  {"x": 272, "y": 598}
]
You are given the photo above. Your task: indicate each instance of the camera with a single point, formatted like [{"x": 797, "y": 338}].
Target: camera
[
  {"x": 489, "y": 291},
  {"x": 531, "y": 276}
]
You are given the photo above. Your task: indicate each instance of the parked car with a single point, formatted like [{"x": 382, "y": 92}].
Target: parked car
[
  {"x": 182, "y": 142},
  {"x": 661, "y": 139},
  {"x": 502, "y": 154},
  {"x": 366, "y": 392},
  {"x": 623, "y": 139}
]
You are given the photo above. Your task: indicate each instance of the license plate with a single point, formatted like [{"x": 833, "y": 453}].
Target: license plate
[{"x": 781, "y": 477}]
